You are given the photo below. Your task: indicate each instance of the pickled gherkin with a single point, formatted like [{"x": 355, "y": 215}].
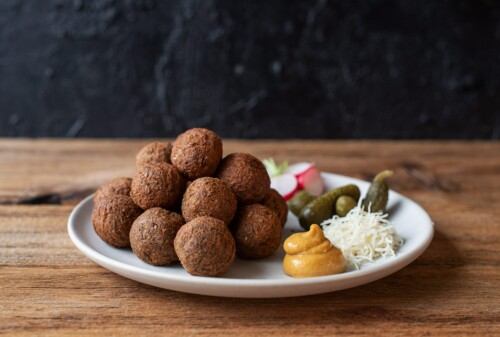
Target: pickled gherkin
[
  {"x": 378, "y": 193},
  {"x": 344, "y": 204},
  {"x": 299, "y": 200},
  {"x": 323, "y": 207}
]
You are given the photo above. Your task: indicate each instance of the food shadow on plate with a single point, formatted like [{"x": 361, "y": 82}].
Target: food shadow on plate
[
  {"x": 250, "y": 269},
  {"x": 393, "y": 208}
]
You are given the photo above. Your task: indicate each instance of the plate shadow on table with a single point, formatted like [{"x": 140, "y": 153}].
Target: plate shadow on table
[{"x": 431, "y": 276}]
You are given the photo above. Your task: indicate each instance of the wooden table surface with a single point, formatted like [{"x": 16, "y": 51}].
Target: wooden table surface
[{"x": 47, "y": 287}]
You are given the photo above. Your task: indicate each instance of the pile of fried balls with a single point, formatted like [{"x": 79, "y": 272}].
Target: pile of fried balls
[{"x": 187, "y": 203}]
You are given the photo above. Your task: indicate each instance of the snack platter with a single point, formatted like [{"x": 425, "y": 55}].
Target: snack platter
[{"x": 262, "y": 278}]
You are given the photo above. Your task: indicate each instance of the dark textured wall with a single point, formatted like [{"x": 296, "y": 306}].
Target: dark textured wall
[{"x": 329, "y": 69}]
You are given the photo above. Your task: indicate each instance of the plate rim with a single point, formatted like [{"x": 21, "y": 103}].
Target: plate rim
[{"x": 390, "y": 265}]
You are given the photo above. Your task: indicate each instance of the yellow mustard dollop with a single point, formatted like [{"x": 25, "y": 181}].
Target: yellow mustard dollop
[{"x": 311, "y": 254}]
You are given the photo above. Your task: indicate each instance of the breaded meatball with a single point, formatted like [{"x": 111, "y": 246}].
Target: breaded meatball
[
  {"x": 276, "y": 203},
  {"x": 205, "y": 247},
  {"x": 112, "y": 218},
  {"x": 157, "y": 185},
  {"x": 152, "y": 236},
  {"x": 257, "y": 231},
  {"x": 116, "y": 186},
  {"x": 154, "y": 153},
  {"x": 211, "y": 197},
  {"x": 246, "y": 176},
  {"x": 196, "y": 153}
]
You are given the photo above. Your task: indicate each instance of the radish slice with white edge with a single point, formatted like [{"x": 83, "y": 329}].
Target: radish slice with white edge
[
  {"x": 308, "y": 177},
  {"x": 311, "y": 181},
  {"x": 285, "y": 184},
  {"x": 298, "y": 168}
]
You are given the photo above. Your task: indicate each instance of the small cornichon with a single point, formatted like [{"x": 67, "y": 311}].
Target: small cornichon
[
  {"x": 323, "y": 207},
  {"x": 344, "y": 204},
  {"x": 299, "y": 201},
  {"x": 378, "y": 193}
]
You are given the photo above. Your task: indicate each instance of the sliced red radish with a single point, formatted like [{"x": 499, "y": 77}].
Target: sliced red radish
[
  {"x": 311, "y": 181},
  {"x": 298, "y": 168},
  {"x": 308, "y": 177},
  {"x": 285, "y": 184}
]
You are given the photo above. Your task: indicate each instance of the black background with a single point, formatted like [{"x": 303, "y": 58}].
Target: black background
[{"x": 250, "y": 69}]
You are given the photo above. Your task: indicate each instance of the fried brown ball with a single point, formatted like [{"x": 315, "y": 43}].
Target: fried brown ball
[
  {"x": 157, "y": 185},
  {"x": 246, "y": 176},
  {"x": 276, "y": 203},
  {"x": 152, "y": 236},
  {"x": 154, "y": 153},
  {"x": 211, "y": 197},
  {"x": 196, "y": 153},
  {"x": 257, "y": 231},
  {"x": 205, "y": 247},
  {"x": 116, "y": 186},
  {"x": 112, "y": 218}
]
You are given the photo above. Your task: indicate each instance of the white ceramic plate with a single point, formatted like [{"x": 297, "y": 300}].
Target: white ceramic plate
[{"x": 259, "y": 278}]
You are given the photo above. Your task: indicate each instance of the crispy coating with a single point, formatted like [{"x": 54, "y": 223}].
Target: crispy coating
[
  {"x": 196, "y": 153},
  {"x": 112, "y": 218},
  {"x": 154, "y": 153},
  {"x": 211, "y": 197},
  {"x": 116, "y": 186},
  {"x": 276, "y": 203},
  {"x": 257, "y": 231},
  {"x": 152, "y": 236},
  {"x": 157, "y": 185},
  {"x": 246, "y": 176},
  {"x": 205, "y": 247}
]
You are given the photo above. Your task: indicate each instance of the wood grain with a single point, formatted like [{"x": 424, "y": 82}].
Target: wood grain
[{"x": 47, "y": 287}]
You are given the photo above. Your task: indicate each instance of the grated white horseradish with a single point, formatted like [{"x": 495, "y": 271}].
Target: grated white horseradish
[{"x": 362, "y": 236}]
